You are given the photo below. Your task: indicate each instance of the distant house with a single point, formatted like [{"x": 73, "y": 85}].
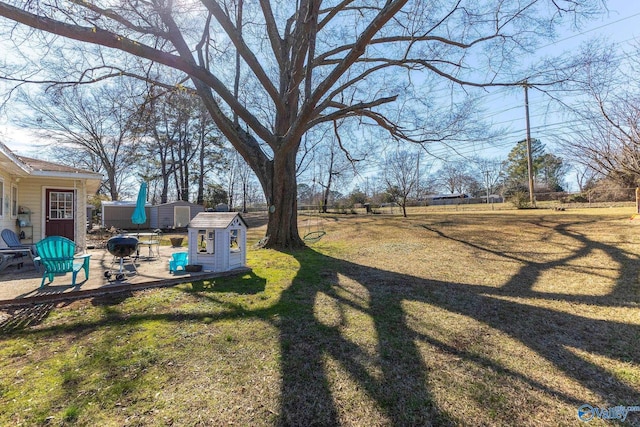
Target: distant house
[
  {"x": 40, "y": 198},
  {"x": 174, "y": 214},
  {"x": 460, "y": 199},
  {"x": 446, "y": 196}
]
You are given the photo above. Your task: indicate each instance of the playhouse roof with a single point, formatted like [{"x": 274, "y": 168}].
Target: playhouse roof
[{"x": 215, "y": 220}]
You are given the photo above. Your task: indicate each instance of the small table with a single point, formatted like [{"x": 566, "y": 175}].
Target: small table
[{"x": 150, "y": 240}]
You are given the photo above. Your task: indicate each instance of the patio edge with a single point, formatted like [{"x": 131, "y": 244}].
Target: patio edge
[{"x": 113, "y": 289}]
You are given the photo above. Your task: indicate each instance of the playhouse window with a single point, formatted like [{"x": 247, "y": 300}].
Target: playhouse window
[
  {"x": 233, "y": 240},
  {"x": 206, "y": 241}
]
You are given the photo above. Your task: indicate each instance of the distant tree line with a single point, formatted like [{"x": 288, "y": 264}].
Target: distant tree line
[{"x": 402, "y": 182}]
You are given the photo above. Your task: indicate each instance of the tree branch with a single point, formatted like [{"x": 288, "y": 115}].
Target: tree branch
[
  {"x": 108, "y": 39},
  {"x": 345, "y": 110},
  {"x": 358, "y": 49},
  {"x": 272, "y": 32},
  {"x": 236, "y": 38}
]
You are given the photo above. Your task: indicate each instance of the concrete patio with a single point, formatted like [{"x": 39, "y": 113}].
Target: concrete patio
[{"x": 22, "y": 286}]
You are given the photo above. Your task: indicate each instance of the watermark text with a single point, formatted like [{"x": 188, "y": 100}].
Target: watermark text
[{"x": 587, "y": 412}]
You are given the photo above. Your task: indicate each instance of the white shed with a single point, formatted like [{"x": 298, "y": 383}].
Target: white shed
[{"x": 218, "y": 241}]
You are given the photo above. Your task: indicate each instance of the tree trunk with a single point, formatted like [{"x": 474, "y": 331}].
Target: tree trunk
[
  {"x": 201, "y": 172},
  {"x": 244, "y": 195},
  {"x": 113, "y": 187},
  {"x": 282, "y": 228}
]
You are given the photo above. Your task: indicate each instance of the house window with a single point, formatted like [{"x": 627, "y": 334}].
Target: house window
[
  {"x": 14, "y": 201},
  {"x": 60, "y": 205},
  {"x": 2, "y": 199}
]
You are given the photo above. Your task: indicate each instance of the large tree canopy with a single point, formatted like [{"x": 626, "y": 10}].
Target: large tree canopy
[{"x": 269, "y": 71}]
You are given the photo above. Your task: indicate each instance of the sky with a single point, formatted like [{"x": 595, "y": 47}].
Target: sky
[{"x": 503, "y": 108}]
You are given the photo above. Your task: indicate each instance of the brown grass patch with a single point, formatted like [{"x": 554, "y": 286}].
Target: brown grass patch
[{"x": 442, "y": 318}]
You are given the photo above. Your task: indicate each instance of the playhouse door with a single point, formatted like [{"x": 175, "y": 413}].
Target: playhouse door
[{"x": 59, "y": 215}]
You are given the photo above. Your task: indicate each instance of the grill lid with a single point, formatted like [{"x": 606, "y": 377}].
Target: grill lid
[{"x": 122, "y": 246}]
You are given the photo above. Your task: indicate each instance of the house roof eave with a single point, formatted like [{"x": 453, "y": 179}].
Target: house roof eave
[
  {"x": 66, "y": 175},
  {"x": 14, "y": 164}
]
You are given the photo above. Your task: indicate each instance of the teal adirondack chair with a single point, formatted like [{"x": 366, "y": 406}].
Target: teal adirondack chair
[{"x": 57, "y": 255}]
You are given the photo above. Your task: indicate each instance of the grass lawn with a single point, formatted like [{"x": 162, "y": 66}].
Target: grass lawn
[{"x": 444, "y": 318}]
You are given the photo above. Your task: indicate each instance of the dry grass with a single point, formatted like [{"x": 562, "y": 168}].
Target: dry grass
[{"x": 443, "y": 318}]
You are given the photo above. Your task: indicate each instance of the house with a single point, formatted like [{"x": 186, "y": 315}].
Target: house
[
  {"x": 173, "y": 214},
  {"x": 218, "y": 241},
  {"x": 40, "y": 198},
  {"x": 118, "y": 215}
]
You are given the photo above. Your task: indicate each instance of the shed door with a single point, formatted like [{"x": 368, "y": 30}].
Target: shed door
[
  {"x": 60, "y": 213},
  {"x": 181, "y": 216}
]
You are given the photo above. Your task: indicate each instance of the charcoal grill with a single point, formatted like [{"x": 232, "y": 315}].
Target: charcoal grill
[{"x": 121, "y": 247}]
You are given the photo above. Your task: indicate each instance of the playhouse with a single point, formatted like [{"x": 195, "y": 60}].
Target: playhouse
[{"x": 218, "y": 241}]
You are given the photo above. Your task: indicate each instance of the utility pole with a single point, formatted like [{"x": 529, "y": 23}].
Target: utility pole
[
  {"x": 486, "y": 183},
  {"x": 418, "y": 179},
  {"x": 532, "y": 199}
]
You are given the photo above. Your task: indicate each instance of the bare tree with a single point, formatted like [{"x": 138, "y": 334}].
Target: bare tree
[
  {"x": 246, "y": 179},
  {"x": 401, "y": 177},
  {"x": 490, "y": 172},
  {"x": 238, "y": 178},
  {"x": 180, "y": 143},
  {"x": 454, "y": 176},
  {"x": 585, "y": 176},
  {"x": 302, "y": 69},
  {"x": 102, "y": 123},
  {"x": 605, "y": 137},
  {"x": 331, "y": 166}
]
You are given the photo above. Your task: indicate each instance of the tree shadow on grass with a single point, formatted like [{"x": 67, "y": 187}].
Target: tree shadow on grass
[
  {"x": 246, "y": 284},
  {"x": 392, "y": 373},
  {"x": 401, "y": 391}
]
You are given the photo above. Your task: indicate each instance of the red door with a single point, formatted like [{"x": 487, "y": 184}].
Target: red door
[{"x": 60, "y": 213}]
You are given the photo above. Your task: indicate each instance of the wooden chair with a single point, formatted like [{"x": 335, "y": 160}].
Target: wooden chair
[{"x": 57, "y": 255}]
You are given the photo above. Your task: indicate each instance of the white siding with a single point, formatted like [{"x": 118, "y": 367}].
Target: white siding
[
  {"x": 31, "y": 195},
  {"x": 5, "y": 220}
]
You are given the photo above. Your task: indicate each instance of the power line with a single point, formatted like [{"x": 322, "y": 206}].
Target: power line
[{"x": 590, "y": 30}]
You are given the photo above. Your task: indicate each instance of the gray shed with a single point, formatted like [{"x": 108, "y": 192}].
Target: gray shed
[
  {"x": 174, "y": 214},
  {"x": 118, "y": 215}
]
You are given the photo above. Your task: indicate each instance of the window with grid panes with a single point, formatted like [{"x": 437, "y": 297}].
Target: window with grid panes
[{"x": 60, "y": 205}]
